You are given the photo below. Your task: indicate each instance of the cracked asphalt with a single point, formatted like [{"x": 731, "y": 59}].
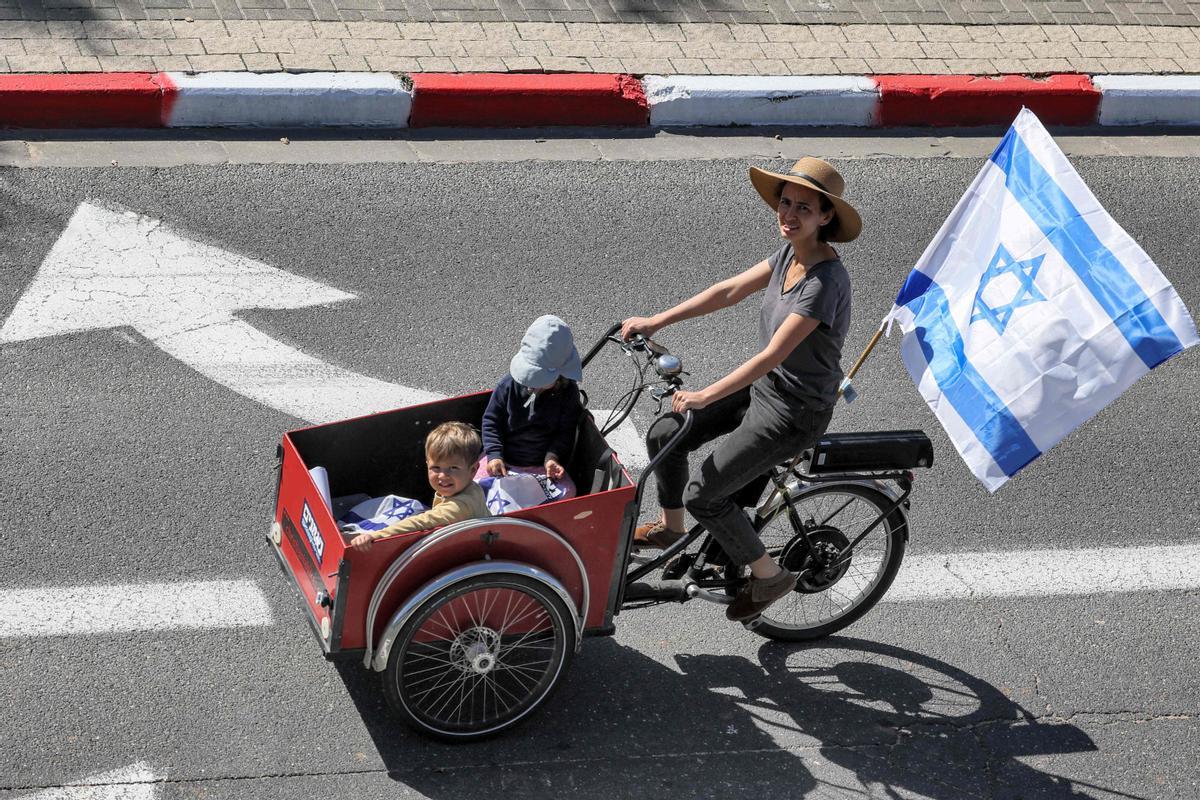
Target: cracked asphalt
[{"x": 121, "y": 465}]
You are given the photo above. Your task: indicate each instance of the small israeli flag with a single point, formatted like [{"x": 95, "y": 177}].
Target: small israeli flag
[
  {"x": 1031, "y": 309},
  {"x": 376, "y": 513},
  {"x": 516, "y": 491}
]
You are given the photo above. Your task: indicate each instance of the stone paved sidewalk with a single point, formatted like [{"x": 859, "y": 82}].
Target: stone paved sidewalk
[
  {"x": 663, "y": 48},
  {"x": 807, "y": 12}
]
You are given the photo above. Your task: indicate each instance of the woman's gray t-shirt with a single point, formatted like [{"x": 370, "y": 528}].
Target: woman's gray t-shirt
[{"x": 812, "y": 372}]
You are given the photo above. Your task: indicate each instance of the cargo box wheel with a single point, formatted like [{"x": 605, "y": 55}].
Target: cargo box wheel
[{"x": 479, "y": 656}]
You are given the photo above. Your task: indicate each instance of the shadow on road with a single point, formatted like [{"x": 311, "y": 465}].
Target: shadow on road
[{"x": 844, "y": 717}]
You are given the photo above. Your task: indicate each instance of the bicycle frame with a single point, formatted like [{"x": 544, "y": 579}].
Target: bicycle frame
[
  {"x": 693, "y": 582},
  {"x": 710, "y": 549}
]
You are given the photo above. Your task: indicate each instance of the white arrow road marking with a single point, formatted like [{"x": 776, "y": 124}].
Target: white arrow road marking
[
  {"x": 111, "y": 269},
  {"x": 246, "y": 360},
  {"x": 135, "y": 782},
  {"x": 1044, "y": 573},
  {"x": 625, "y": 441},
  {"x": 69, "y": 610}
]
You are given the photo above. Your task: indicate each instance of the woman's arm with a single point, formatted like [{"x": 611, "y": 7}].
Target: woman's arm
[
  {"x": 723, "y": 294},
  {"x": 790, "y": 334}
]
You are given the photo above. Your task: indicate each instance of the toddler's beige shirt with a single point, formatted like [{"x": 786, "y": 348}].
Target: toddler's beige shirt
[{"x": 467, "y": 504}]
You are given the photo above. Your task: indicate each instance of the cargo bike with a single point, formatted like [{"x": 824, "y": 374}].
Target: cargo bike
[{"x": 472, "y": 625}]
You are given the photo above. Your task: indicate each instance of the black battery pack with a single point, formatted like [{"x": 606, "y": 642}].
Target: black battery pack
[{"x": 874, "y": 451}]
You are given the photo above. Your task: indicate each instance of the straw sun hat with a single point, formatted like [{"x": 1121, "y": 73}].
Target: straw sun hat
[{"x": 820, "y": 176}]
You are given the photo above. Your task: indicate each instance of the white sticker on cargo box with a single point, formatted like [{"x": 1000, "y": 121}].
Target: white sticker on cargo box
[{"x": 309, "y": 523}]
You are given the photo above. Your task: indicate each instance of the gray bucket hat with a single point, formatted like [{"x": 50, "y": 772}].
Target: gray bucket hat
[{"x": 547, "y": 351}]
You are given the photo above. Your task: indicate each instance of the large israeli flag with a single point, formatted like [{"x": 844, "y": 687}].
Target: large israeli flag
[{"x": 1031, "y": 309}]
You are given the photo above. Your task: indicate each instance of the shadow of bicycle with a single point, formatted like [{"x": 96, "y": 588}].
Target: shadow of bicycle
[
  {"x": 900, "y": 723},
  {"x": 842, "y": 717}
]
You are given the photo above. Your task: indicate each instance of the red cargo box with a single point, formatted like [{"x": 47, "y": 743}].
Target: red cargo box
[{"x": 350, "y": 595}]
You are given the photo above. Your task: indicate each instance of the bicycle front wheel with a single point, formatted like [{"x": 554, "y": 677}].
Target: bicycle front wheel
[
  {"x": 477, "y": 657},
  {"x": 831, "y": 595}
]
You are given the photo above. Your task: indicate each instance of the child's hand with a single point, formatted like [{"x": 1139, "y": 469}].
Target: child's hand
[
  {"x": 496, "y": 468},
  {"x": 554, "y": 470},
  {"x": 362, "y": 542}
]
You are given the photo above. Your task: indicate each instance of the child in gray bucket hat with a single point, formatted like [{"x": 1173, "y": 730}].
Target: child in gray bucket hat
[{"x": 530, "y": 422}]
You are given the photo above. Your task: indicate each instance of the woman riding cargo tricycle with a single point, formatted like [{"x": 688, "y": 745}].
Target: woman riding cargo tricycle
[{"x": 474, "y": 623}]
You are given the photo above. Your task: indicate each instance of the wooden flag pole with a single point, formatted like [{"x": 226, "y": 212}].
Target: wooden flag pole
[
  {"x": 844, "y": 390},
  {"x": 870, "y": 346}
]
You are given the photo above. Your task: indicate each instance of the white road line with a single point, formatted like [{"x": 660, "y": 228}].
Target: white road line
[
  {"x": 71, "y": 610},
  {"x": 61, "y": 611},
  {"x": 135, "y": 782},
  {"x": 1046, "y": 573}
]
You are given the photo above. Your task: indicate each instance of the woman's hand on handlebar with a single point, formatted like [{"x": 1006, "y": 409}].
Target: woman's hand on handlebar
[
  {"x": 681, "y": 401},
  {"x": 635, "y": 325}
]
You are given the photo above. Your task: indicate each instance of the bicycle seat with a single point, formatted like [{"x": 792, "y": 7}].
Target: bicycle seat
[{"x": 873, "y": 451}]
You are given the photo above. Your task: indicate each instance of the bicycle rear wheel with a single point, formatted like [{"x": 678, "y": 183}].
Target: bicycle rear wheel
[{"x": 828, "y": 596}]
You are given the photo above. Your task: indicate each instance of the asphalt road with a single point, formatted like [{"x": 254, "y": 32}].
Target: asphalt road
[{"x": 119, "y": 464}]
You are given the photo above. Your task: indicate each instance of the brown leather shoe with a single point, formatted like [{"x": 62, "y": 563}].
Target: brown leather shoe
[
  {"x": 655, "y": 536},
  {"x": 758, "y": 594}
]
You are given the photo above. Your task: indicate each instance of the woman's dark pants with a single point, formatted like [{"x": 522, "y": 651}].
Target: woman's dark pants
[{"x": 765, "y": 428}]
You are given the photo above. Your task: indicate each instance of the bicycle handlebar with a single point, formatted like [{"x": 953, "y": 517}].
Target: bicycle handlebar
[
  {"x": 668, "y": 368},
  {"x": 600, "y": 344}
]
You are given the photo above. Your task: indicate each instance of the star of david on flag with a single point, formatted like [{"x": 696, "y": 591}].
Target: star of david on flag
[
  {"x": 400, "y": 508},
  {"x": 1019, "y": 291},
  {"x": 1031, "y": 309}
]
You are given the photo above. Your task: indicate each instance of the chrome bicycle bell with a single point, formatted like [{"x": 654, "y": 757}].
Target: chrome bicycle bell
[{"x": 667, "y": 365}]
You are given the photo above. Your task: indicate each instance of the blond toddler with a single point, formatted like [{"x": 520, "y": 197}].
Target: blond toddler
[{"x": 451, "y": 450}]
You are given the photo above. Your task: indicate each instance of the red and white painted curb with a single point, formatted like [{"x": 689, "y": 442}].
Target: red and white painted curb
[
  {"x": 749, "y": 100},
  {"x": 281, "y": 100},
  {"x": 943, "y": 100},
  {"x": 384, "y": 100},
  {"x": 1148, "y": 99},
  {"x": 523, "y": 100}
]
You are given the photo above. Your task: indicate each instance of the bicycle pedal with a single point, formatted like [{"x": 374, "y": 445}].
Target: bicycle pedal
[
  {"x": 752, "y": 623},
  {"x": 678, "y": 566}
]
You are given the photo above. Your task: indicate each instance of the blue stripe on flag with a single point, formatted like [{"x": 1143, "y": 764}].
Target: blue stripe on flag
[
  {"x": 973, "y": 399},
  {"x": 914, "y": 286},
  {"x": 1098, "y": 269}
]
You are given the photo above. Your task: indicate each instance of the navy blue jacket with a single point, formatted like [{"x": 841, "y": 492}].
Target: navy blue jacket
[{"x": 524, "y": 440}]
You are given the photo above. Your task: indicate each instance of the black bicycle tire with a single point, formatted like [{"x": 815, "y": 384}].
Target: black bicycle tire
[
  {"x": 897, "y": 529},
  {"x": 563, "y": 622}
]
